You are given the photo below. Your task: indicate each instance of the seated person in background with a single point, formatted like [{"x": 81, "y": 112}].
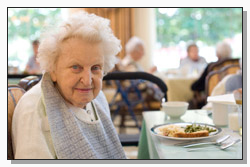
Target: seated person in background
[
  {"x": 66, "y": 115},
  {"x": 223, "y": 51},
  {"x": 234, "y": 82},
  {"x": 33, "y": 66},
  {"x": 228, "y": 84},
  {"x": 134, "y": 52},
  {"x": 193, "y": 63}
]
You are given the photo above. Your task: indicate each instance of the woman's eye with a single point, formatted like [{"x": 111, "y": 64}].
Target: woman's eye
[
  {"x": 76, "y": 68},
  {"x": 95, "y": 68}
]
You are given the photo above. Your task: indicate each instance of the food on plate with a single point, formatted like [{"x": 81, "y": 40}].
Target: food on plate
[
  {"x": 195, "y": 128},
  {"x": 201, "y": 133},
  {"x": 189, "y": 131},
  {"x": 170, "y": 130}
]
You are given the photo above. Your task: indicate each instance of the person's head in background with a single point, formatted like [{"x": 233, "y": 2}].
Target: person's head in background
[
  {"x": 193, "y": 52},
  {"x": 135, "y": 48},
  {"x": 223, "y": 50},
  {"x": 35, "y": 46}
]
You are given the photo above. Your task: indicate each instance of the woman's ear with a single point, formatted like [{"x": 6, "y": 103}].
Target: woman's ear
[{"x": 53, "y": 76}]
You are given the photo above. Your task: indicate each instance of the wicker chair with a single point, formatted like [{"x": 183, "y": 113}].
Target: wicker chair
[
  {"x": 215, "y": 77},
  {"x": 14, "y": 94},
  {"x": 220, "y": 64},
  {"x": 28, "y": 82}
]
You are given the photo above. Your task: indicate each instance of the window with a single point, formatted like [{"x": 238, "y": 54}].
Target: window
[
  {"x": 176, "y": 27},
  {"x": 24, "y": 26}
]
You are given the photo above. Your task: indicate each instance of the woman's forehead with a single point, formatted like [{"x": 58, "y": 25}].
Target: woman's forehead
[
  {"x": 81, "y": 52},
  {"x": 84, "y": 62}
]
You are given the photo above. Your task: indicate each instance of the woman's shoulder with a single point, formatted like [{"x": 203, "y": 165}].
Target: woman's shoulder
[
  {"x": 233, "y": 80},
  {"x": 101, "y": 98},
  {"x": 101, "y": 102},
  {"x": 34, "y": 93},
  {"x": 29, "y": 100}
]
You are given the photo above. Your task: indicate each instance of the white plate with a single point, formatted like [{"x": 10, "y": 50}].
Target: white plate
[{"x": 155, "y": 131}]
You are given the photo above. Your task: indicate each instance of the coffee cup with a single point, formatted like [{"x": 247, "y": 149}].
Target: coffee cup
[{"x": 220, "y": 114}]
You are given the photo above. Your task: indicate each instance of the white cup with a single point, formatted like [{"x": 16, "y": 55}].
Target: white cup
[
  {"x": 220, "y": 115},
  {"x": 240, "y": 117},
  {"x": 233, "y": 118}
]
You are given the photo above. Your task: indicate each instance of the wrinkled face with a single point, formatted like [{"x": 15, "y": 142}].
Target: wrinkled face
[
  {"x": 193, "y": 53},
  {"x": 138, "y": 53},
  {"x": 79, "y": 71}
]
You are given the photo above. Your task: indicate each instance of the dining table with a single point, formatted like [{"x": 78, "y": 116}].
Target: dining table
[
  {"x": 179, "y": 86},
  {"x": 153, "y": 146}
]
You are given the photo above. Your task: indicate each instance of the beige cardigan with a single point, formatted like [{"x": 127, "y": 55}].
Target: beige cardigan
[{"x": 30, "y": 129}]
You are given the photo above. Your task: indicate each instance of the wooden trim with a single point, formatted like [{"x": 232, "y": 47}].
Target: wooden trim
[{"x": 223, "y": 63}]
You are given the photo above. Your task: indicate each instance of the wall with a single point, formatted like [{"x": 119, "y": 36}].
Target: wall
[{"x": 144, "y": 27}]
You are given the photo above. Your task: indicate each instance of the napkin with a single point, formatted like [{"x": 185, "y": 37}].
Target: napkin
[{"x": 223, "y": 99}]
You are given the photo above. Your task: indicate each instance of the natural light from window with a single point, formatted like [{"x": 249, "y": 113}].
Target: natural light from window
[
  {"x": 177, "y": 27},
  {"x": 24, "y": 26}
]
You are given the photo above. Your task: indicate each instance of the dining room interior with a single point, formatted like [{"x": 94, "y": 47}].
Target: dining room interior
[{"x": 178, "y": 67}]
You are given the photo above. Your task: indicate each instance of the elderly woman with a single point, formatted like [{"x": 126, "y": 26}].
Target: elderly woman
[
  {"x": 66, "y": 115},
  {"x": 134, "y": 52}
]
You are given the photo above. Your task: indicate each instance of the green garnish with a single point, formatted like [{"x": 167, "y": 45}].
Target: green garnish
[{"x": 195, "y": 128}]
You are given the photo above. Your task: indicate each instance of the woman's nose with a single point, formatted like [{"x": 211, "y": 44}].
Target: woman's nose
[{"x": 86, "y": 78}]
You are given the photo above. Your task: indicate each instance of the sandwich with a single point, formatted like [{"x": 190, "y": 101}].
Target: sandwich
[{"x": 201, "y": 133}]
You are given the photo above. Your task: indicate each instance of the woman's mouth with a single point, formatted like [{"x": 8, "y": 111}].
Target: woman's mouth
[{"x": 83, "y": 90}]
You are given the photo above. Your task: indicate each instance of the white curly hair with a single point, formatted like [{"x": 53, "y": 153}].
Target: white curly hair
[
  {"x": 90, "y": 28},
  {"x": 223, "y": 50}
]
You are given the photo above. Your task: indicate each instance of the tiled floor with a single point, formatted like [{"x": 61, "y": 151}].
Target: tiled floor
[{"x": 130, "y": 151}]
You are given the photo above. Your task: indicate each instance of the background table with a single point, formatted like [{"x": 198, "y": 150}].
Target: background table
[
  {"x": 152, "y": 147},
  {"x": 179, "y": 87}
]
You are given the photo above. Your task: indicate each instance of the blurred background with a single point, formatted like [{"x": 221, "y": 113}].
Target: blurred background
[{"x": 165, "y": 31}]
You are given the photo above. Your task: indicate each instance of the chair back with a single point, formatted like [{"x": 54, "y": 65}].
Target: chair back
[
  {"x": 223, "y": 63},
  {"x": 138, "y": 75},
  {"x": 131, "y": 139},
  {"x": 28, "y": 82},
  {"x": 15, "y": 92},
  {"x": 214, "y": 77}
]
